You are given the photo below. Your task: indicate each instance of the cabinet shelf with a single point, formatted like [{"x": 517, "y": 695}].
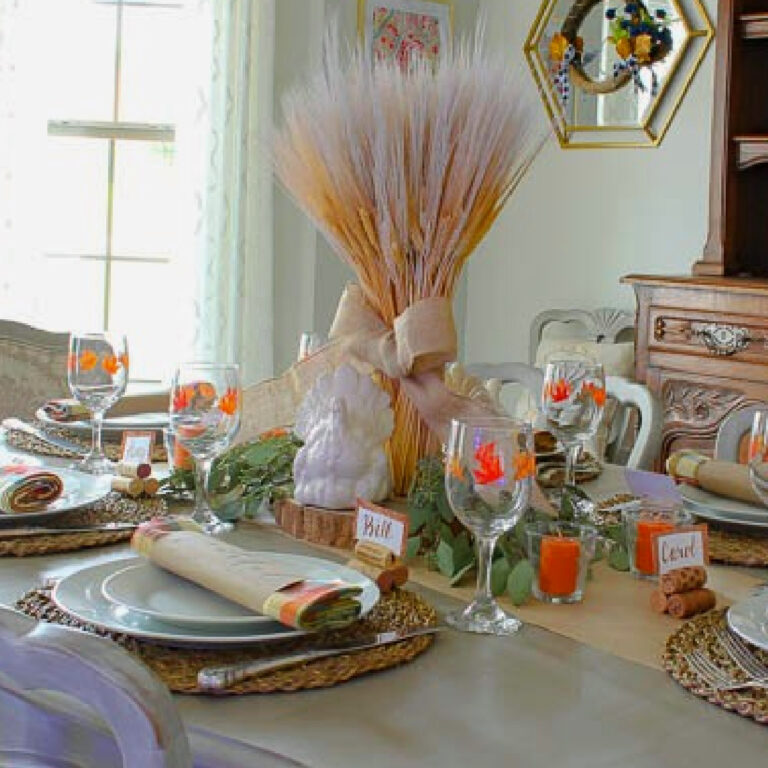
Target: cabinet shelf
[
  {"x": 754, "y": 26},
  {"x": 753, "y": 150}
]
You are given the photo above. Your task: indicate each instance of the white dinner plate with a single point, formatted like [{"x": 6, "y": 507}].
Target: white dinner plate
[
  {"x": 138, "y": 421},
  {"x": 710, "y": 506},
  {"x": 80, "y": 490},
  {"x": 81, "y": 595},
  {"x": 749, "y": 620}
]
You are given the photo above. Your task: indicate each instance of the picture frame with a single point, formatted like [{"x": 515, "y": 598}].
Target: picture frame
[{"x": 401, "y": 29}]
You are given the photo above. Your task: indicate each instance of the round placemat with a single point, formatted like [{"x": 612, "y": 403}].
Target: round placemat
[
  {"x": 737, "y": 548},
  {"x": 700, "y": 634},
  {"x": 111, "y": 443},
  {"x": 115, "y": 508},
  {"x": 178, "y": 667}
]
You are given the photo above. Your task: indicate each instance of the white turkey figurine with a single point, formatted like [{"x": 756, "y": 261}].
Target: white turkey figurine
[{"x": 344, "y": 421}]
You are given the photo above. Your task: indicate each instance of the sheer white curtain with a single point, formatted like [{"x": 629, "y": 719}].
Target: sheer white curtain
[{"x": 226, "y": 152}]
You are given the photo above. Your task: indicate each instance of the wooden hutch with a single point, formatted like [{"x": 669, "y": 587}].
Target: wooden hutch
[{"x": 702, "y": 340}]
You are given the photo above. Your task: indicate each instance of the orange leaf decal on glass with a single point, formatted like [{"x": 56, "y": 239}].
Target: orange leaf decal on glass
[
  {"x": 757, "y": 448},
  {"x": 181, "y": 398},
  {"x": 525, "y": 465},
  {"x": 71, "y": 362},
  {"x": 455, "y": 469},
  {"x": 557, "y": 391},
  {"x": 124, "y": 360},
  {"x": 88, "y": 360},
  {"x": 271, "y": 433},
  {"x": 110, "y": 364},
  {"x": 228, "y": 402},
  {"x": 206, "y": 390},
  {"x": 489, "y": 465},
  {"x": 596, "y": 393}
]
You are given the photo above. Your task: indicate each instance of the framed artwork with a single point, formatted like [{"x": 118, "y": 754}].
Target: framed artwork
[{"x": 404, "y": 30}]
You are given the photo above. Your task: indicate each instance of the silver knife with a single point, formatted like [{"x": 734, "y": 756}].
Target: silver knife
[
  {"x": 30, "y": 530},
  {"x": 59, "y": 442},
  {"x": 221, "y": 678}
]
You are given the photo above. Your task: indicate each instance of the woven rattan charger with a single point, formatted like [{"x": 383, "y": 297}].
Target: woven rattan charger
[{"x": 178, "y": 667}]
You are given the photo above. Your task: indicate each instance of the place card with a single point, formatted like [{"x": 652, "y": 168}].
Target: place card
[
  {"x": 682, "y": 548},
  {"x": 381, "y": 525},
  {"x": 652, "y": 485},
  {"x": 137, "y": 447}
]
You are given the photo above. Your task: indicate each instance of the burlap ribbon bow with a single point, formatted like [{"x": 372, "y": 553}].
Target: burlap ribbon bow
[{"x": 414, "y": 351}]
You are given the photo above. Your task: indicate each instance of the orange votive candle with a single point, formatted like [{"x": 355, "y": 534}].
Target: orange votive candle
[
  {"x": 559, "y": 565},
  {"x": 644, "y": 560}
]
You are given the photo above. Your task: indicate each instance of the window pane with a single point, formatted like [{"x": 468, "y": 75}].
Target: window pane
[
  {"x": 145, "y": 218},
  {"x": 71, "y": 295},
  {"x": 74, "y": 196},
  {"x": 142, "y": 306},
  {"x": 76, "y": 59},
  {"x": 152, "y": 60}
]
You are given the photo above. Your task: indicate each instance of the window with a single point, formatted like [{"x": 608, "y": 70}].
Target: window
[{"x": 97, "y": 92}]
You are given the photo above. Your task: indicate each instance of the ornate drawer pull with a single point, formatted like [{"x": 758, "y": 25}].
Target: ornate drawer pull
[{"x": 723, "y": 339}]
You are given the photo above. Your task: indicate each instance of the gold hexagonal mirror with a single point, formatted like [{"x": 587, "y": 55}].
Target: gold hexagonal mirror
[{"x": 613, "y": 73}]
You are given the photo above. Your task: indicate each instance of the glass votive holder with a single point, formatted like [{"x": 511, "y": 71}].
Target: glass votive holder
[
  {"x": 560, "y": 554},
  {"x": 640, "y": 528}
]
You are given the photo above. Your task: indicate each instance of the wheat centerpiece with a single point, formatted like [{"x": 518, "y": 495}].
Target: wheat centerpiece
[{"x": 405, "y": 171}]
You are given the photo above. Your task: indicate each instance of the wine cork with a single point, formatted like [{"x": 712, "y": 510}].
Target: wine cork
[
  {"x": 131, "y": 469},
  {"x": 659, "y": 601},
  {"x": 133, "y": 486},
  {"x": 690, "y": 603},
  {"x": 383, "y": 577},
  {"x": 399, "y": 573},
  {"x": 374, "y": 554},
  {"x": 151, "y": 484},
  {"x": 683, "y": 580}
]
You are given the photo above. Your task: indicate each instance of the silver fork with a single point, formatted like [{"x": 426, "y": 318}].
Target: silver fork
[
  {"x": 716, "y": 679},
  {"x": 742, "y": 655}
]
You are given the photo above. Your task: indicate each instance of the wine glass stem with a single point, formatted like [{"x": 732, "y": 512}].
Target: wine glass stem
[
  {"x": 485, "y": 547},
  {"x": 572, "y": 451},
  {"x": 97, "y": 421},
  {"x": 202, "y": 470}
]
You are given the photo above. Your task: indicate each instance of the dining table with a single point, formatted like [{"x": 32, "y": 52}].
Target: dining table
[{"x": 537, "y": 698}]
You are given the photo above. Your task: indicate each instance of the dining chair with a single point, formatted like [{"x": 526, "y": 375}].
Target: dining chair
[
  {"x": 529, "y": 379},
  {"x": 634, "y": 436},
  {"x": 732, "y": 430},
  {"x": 70, "y": 699}
]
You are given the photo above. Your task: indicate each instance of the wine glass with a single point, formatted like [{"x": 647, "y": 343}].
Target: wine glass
[
  {"x": 572, "y": 402},
  {"x": 758, "y": 455},
  {"x": 205, "y": 417},
  {"x": 97, "y": 374},
  {"x": 488, "y": 478}
]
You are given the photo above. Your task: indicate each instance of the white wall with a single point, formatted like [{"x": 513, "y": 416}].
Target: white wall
[{"x": 583, "y": 218}]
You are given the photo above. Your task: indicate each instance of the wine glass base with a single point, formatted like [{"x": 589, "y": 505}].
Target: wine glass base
[
  {"x": 94, "y": 465},
  {"x": 484, "y": 619},
  {"x": 211, "y": 523}
]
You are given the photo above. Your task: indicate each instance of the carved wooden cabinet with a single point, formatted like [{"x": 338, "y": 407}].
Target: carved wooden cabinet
[{"x": 702, "y": 348}]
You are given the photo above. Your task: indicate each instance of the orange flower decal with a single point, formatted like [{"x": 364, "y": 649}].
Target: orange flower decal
[
  {"x": 124, "y": 360},
  {"x": 757, "y": 448},
  {"x": 228, "y": 402},
  {"x": 88, "y": 360},
  {"x": 181, "y": 398},
  {"x": 455, "y": 470},
  {"x": 557, "y": 391},
  {"x": 596, "y": 393},
  {"x": 110, "y": 364},
  {"x": 489, "y": 465},
  {"x": 525, "y": 465}
]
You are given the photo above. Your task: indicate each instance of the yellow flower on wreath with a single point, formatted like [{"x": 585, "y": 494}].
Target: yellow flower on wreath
[
  {"x": 558, "y": 45},
  {"x": 624, "y": 47},
  {"x": 643, "y": 48}
]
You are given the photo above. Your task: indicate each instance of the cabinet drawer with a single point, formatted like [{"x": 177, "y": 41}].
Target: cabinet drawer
[{"x": 708, "y": 334}]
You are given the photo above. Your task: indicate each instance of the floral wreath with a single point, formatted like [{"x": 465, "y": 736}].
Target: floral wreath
[{"x": 642, "y": 39}]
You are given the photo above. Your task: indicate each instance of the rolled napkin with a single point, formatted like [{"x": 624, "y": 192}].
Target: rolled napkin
[
  {"x": 66, "y": 410},
  {"x": 247, "y": 578},
  {"x": 26, "y": 489},
  {"x": 724, "y": 478}
]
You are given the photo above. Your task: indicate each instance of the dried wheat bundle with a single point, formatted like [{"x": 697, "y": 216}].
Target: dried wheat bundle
[{"x": 405, "y": 172}]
